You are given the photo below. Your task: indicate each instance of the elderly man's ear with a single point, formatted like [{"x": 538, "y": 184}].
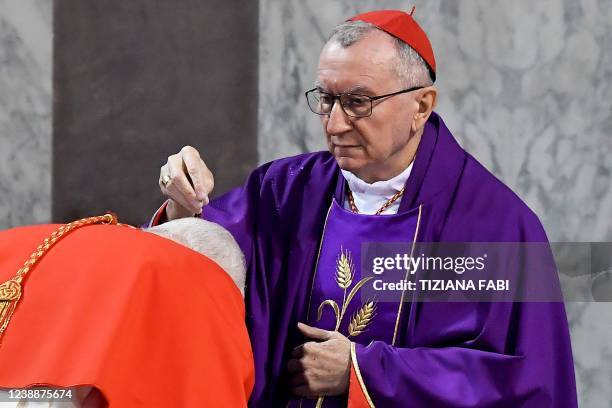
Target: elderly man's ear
[{"x": 427, "y": 102}]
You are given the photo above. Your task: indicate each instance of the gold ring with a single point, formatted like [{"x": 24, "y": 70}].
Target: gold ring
[{"x": 165, "y": 180}]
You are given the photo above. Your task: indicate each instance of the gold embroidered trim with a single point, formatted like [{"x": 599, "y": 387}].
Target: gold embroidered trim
[
  {"x": 320, "y": 399},
  {"x": 317, "y": 262},
  {"x": 359, "y": 377},
  {"x": 401, "y": 303},
  {"x": 11, "y": 290}
]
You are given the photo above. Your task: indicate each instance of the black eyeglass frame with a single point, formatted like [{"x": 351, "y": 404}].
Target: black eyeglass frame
[{"x": 370, "y": 98}]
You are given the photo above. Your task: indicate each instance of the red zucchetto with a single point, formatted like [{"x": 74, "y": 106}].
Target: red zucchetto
[{"x": 401, "y": 25}]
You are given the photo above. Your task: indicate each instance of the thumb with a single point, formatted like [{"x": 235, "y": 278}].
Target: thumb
[{"x": 314, "y": 332}]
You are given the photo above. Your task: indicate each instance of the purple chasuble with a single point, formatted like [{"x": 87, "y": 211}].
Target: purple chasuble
[{"x": 470, "y": 354}]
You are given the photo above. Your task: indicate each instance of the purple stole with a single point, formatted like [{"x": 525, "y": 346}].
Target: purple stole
[{"x": 337, "y": 300}]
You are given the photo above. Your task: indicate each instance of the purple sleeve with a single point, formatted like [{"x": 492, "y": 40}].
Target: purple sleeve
[
  {"x": 237, "y": 210},
  {"x": 531, "y": 367}
]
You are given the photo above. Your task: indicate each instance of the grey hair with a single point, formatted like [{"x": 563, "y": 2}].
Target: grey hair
[
  {"x": 209, "y": 239},
  {"x": 412, "y": 70}
]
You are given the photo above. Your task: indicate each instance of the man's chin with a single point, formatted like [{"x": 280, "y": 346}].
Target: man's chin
[{"x": 349, "y": 163}]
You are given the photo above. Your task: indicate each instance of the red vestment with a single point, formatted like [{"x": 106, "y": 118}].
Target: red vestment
[{"x": 146, "y": 321}]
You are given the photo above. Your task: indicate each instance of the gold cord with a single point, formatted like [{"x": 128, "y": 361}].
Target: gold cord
[
  {"x": 11, "y": 290},
  {"x": 386, "y": 205}
]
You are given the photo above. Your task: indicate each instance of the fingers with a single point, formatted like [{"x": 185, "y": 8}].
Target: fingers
[
  {"x": 304, "y": 371},
  {"x": 297, "y": 379},
  {"x": 295, "y": 366},
  {"x": 304, "y": 384},
  {"x": 163, "y": 172},
  {"x": 175, "y": 211},
  {"x": 179, "y": 188},
  {"x": 198, "y": 172},
  {"x": 298, "y": 351},
  {"x": 319, "y": 367},
  {"x": 186, "y": 180},
  {"x": 314, "y": 332}
]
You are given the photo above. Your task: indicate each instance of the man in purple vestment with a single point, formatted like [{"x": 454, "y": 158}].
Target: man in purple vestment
[{"x": 393, "y": 170}]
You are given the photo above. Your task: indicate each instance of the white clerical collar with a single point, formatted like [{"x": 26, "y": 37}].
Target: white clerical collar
[
  {"x": 379, "y": 188},
  {"x": 369, "y": 198}
]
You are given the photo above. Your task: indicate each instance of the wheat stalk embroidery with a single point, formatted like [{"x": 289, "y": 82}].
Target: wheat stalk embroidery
[
  {"x": 362, "y": 318},
  {"x": 345, "y": 272}
]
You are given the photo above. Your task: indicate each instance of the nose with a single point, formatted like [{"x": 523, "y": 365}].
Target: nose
[{"x": 338, "y": 121}]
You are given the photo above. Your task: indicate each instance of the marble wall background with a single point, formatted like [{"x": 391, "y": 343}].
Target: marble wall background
[
  {"x": 25, "y": 111},
  {"x": 525, "y": 86}
]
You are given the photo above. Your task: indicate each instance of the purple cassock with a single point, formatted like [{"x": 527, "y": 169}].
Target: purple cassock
[{"x": 287, "y": 217}]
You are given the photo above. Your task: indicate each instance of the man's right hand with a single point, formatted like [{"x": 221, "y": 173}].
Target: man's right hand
[{"x": 187, "y": 182}]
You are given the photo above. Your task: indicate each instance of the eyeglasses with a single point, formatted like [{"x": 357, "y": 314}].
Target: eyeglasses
[{"x": 354, "y": 105}]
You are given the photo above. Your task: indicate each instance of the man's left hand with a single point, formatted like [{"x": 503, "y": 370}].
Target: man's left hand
[{"x": 320, "y": 368}]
